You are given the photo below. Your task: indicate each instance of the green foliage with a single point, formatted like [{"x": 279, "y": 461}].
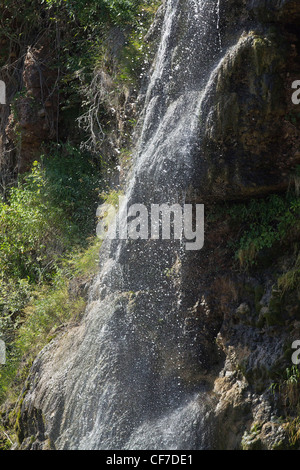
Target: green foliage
[
  {"x": 265, "y": 222},
  {"x": 112, "y": 197},
  {"x": 52, "y": 208},
  {"x": 289, "y": 390},
  {"x": 126, "y": 55},
  {"x": 88, "y": 14},
  {"x": 48, "y": 215},
  {"x": 83, "y": 262},
  {"x": 291, "y": 279},
  {"x": 5, "y": 442},
  {"x": 14, "y": 296},
  {"x": 88, "y": 24},
  {"x": 292, "y": 428},
  {"x": 73, "y": 180},
  {"x": 133, "y": 58},
  {"x": 136, "y": 53},
  {"x": 33, "y": 230},
  {"x": 14, "y": 11},
  {"x": 48, "y": 308}
]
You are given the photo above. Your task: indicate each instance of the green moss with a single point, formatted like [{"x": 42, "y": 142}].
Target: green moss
[
  {"x": 263, "y": 53},
  {"x": 18, "y": 429},
  {"x": 251, "y": 441}
]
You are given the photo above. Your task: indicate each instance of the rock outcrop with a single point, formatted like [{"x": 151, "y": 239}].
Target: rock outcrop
[{"x": 34, "y": 109}]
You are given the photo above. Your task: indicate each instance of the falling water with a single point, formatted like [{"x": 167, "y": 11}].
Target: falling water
[
  {"x": 133, "y": 374},
  {"x": 178, "y": 85},
  {"x": 219, "y": 23}
]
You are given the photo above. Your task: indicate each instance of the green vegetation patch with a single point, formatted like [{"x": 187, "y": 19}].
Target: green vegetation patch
[{"x": 265, "y": 223}]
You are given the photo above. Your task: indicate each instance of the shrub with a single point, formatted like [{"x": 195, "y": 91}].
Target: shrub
[
  {"x": 47, "y": 308},
  {"x": 45, "y": 220},
  {"x": 73, "y": 182},
  {"x": 264, "y": 223},
  {"x": 291, "y": 279},
  {"x": 33, "y": 231}
]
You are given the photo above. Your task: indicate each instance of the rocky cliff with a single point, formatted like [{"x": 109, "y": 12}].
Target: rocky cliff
[{"x": 199, "y": 343}]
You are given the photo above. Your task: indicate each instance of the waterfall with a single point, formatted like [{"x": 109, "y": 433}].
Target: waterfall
[
  {"x": 178, "y": 85},
  {"x": 132, "y": 375}
]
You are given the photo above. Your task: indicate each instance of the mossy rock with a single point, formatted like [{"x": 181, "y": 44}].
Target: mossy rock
[
  {"x": 252, "y": 441},
  {"x": 244, "y": 118}
]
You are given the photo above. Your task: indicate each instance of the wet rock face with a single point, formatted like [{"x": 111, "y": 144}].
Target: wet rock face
[
  {"x": 248, "y": 144},
  {"x": 284, "y": 11},
  {"x": 244, "y": 123}
]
